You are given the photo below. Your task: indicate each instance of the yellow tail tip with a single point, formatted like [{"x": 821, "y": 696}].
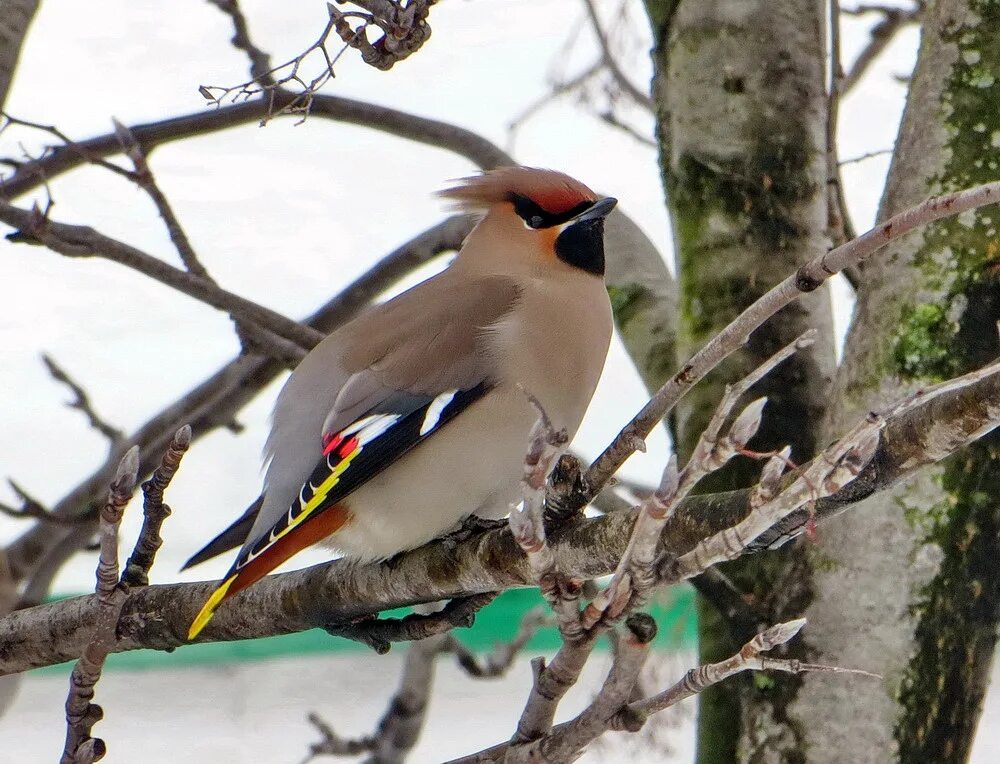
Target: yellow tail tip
[{"x": 208, "y": 609}]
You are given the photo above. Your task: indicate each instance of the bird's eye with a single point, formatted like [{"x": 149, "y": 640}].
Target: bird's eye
[{"x": 531, "y": 214}]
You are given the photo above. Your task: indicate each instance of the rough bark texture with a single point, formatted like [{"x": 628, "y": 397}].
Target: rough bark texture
[
  {"x": 741, "y": 108},
  {"x": 908, "y": 587}
]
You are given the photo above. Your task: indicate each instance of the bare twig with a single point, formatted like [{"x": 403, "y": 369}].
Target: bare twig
[
  {"x": 557, "y": 89},
  {"x": 834, "y": 468},
  {"x": 527, "y": 525},
  {"x": 562, "y": 743},
  {"x": 260, "y": 62},
  {"x": 635, "y": 572},
  {"x": 81, "y": 402},
  {"x": 145, "y": 179},
  {"x": 609, "y": 118},
  {"x": 68, "y": 144},
  {"x": 81, "y": 713},
  {"x": 551, "y": 682},
  {"x": 568, "y": 739},
  {"x": 749, "y": 658},
  {"x": 251, "y": 335},
  {"x": 269, "y": 83},
  {"x": 154, "y": 511},
  {"x": 611, "y": 63},
  {"x": 405, "y": 27},
  {"x": 379, "y": 634},
  {"x": 333, "y": 744},
  {"x": 883, "y": 33},
  {"x": 32, "y": 509},
  {"x": 475, "y": 148},
  {"x": 865, "y": 156},
  {"x": 807, "y": 279},
  {"x": 502, "y": 658},
  {"x": 400, "y": 726},
  {"x": 83, "y": 241}
]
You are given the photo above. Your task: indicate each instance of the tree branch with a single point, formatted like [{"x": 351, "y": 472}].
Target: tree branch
[
  {"x": 399, "y": 728},
  {"x": 566, "y": 740},
  {"x": 154, "y": 511},
  {"x": 380, "y": 633},
  {"x": 84, "y": 241},
  {"x": 807, "y": 279},
  {"x": 149, "y": 135},
  {"x": 81, "y": 714},
  {"x": 894, "y": 20},
  {"x": 157, "y": 617},
  {"x": 260, "y": 62},
  {"x": 839, "y": 227},
  {"x": 81, "y": 402},
  {"x": 609, "y": 60},
  {"x": 497, "y": 663}
]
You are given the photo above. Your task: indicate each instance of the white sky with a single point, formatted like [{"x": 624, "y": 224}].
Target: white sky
[{"x": 287, "y": 214}]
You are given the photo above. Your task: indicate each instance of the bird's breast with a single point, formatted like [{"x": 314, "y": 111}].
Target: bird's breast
[{"x": 554, "y": 345}]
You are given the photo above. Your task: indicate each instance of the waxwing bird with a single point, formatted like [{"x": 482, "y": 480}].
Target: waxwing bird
[{"x": 414, "y": 415}]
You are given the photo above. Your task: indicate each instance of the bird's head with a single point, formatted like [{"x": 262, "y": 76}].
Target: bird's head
[{"x": 542, "y": 216}]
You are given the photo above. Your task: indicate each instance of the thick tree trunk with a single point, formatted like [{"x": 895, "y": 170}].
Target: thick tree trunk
[
  {"x": 739, "y": 89},
  {"x": 644, "y": 300},
  {"x": 908, "y": 587},
  {"x": 15, "y": 18}
]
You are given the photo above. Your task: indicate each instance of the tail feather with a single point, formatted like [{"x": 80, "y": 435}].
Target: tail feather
[
  {"x": 319, "y": 527},
  {"x": 231, "y": 538}
]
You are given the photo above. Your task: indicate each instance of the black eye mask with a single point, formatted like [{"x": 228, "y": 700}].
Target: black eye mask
[{"x": 535, "y": 216}]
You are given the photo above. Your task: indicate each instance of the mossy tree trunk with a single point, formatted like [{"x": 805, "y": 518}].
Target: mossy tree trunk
[
  {"x": 911, "y": 589},
  {"x": 739, "y": 89}
]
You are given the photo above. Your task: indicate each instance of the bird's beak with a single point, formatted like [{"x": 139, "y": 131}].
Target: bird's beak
[{"x": 598, "y": 211}]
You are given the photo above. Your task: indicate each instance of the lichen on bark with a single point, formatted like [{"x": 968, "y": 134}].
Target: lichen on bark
[{"x": 958, "y": 610}]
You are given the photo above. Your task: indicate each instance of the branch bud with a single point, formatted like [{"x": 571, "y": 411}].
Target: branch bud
[{"x": 748, "y": 422}]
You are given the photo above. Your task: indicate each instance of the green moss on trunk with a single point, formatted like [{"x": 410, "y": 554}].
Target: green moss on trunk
[
  {"x": 952, "y": 332},
  {"x": 738, "y": 127}
]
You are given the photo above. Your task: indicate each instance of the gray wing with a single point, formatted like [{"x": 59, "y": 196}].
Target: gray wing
[{"x": 394, "y": 357}]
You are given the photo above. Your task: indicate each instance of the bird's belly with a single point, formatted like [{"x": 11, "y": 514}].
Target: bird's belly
[{"x": 472, "y": 465}]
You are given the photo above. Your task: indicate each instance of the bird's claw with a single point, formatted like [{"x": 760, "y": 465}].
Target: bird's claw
[{"x": 473, "y": 525}]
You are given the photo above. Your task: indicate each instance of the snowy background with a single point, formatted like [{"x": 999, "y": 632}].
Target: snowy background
[{"x": 285, "y": 215}]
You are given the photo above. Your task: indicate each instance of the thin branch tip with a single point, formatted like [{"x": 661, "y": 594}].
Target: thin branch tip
[
  {"x": 127, "y": 474},
  {"x": 183, "y": 436}
]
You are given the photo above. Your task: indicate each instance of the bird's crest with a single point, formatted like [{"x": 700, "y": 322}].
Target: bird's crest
[{"x": 553, "y": 191}]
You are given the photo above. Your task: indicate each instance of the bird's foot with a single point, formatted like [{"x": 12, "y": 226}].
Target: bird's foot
[{"x": 473, "y": 525}]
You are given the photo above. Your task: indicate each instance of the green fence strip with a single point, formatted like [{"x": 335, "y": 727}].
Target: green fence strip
[{"x": 674, "y": 612}]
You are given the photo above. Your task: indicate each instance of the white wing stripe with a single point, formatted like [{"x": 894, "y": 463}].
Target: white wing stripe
[
  {"x": 373, "y": 429},
  {"x": 434, "y": 411}
]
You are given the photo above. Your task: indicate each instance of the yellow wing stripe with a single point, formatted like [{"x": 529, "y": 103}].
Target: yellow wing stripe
[
  {"x": 208, "y": 609},
  {"x": 318, "y": 497}
]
